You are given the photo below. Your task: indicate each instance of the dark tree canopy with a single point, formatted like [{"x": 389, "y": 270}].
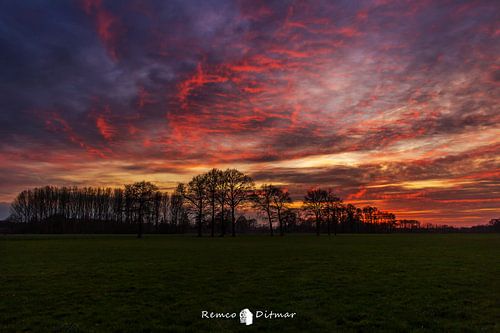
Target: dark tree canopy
[
  {"x": 142, "y": 197},
  {"x": 216, "y": 195}
]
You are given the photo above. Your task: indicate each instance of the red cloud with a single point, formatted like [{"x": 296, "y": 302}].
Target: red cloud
[
  {"x": 105, "y": 128},
  {"x": 108, "y": 26},
  {"x": 358, "y": 195},
  {"x": 197, "y": 80},
  {"x": 56, "y": 123}
]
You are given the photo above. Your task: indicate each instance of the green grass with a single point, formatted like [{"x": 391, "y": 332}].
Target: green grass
[{"x": 358, "y": 283}]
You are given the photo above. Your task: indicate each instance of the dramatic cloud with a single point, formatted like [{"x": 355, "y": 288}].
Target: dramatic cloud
[{"x": 391, "y": 103}]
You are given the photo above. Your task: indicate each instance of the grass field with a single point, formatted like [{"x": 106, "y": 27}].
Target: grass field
[{"x": 365, "y": 283}]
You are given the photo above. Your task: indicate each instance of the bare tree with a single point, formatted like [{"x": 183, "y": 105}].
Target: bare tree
[
  {"x": 212, "y": 179},
  {"x": 314, "y": 203},
  {"x": 176, "y": 208},
  {"x": 20, "y": 208},
  {"x": 118, "y": 204},
  {"x": 332, "y": 210},
  {"x": 368, "y": 216},
  {"x": 239, "y": 188},
  {"x": 142, "y": 196},
  {"x": 165, "y": 207},
  {"x": 95, "y": 209},
  {"x": 281, "y": 199},
  {"x": 290, "y": 219},
  {"x": 222, "y": 197},
  {"x": 196, "y": 194},
  {"x": 263, "y": 201},
  {"x": 158, "y": 201}
]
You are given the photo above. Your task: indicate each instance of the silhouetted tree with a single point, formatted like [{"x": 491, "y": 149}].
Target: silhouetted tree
[
  {"x": 142, "y": 196},
  {"x": 263, "y": 201},
  {"x": 157, "y": 209},
  {"x": 222, "y": 197},
  {"x": 94, "y": 209},
  {"x": 350, "y": 211},
  {"x": 118, "y": 204},
  {"x": 176, "y": 208},
  {"x": 280, "y": 201},
  {"x": 290, "y": 218},
  {"x": 212, "y": 179},
  {"x": 314, "y": 203},
  {"x": 494, "y": 224},
  {"x": 239, "y": 187},
  {"x": 358, "y": 215},
  {"x": 21, "y": 208},
  {"x": 196, "y": 194},
  {"x": 368, "y": 216},
  {"x": 332, "y": 206},
  {"x": 165, "y": 206}
]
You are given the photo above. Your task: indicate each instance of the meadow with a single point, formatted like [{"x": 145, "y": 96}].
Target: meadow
[{"x": 347, "y": 283}]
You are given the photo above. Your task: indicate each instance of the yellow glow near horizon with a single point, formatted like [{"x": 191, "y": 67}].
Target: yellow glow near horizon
[
  {"x": 318, "y": 161},
  {"x": 422, "y": 184}
]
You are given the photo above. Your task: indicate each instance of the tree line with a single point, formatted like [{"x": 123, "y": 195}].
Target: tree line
[{"x": 208, "y": 203}]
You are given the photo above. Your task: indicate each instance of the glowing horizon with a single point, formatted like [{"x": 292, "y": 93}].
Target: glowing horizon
[{"x": 390, "y": 103}]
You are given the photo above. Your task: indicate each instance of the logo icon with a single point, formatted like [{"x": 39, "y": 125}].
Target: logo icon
[{"x": 246, "y": 317}]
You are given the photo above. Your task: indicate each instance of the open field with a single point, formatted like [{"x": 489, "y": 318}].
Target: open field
[{"x": 346, "y": 283}]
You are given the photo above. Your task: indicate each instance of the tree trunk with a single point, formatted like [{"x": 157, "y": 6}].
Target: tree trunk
[
  {"x": 270, "y": 222},
  {"x": 222, "y": 222},
  {"x": 139, "y": 231},
  {"x": 212, "y": 225},
  {"x": 200, "y": 215},
  {"x": 233, "y": 221},
  {"x": 281, "y": 223},
  {"x": 317, "y": 225}
]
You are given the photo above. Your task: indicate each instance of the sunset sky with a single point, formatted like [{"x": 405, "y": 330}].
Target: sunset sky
[{"x": 390, "y": 103}]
